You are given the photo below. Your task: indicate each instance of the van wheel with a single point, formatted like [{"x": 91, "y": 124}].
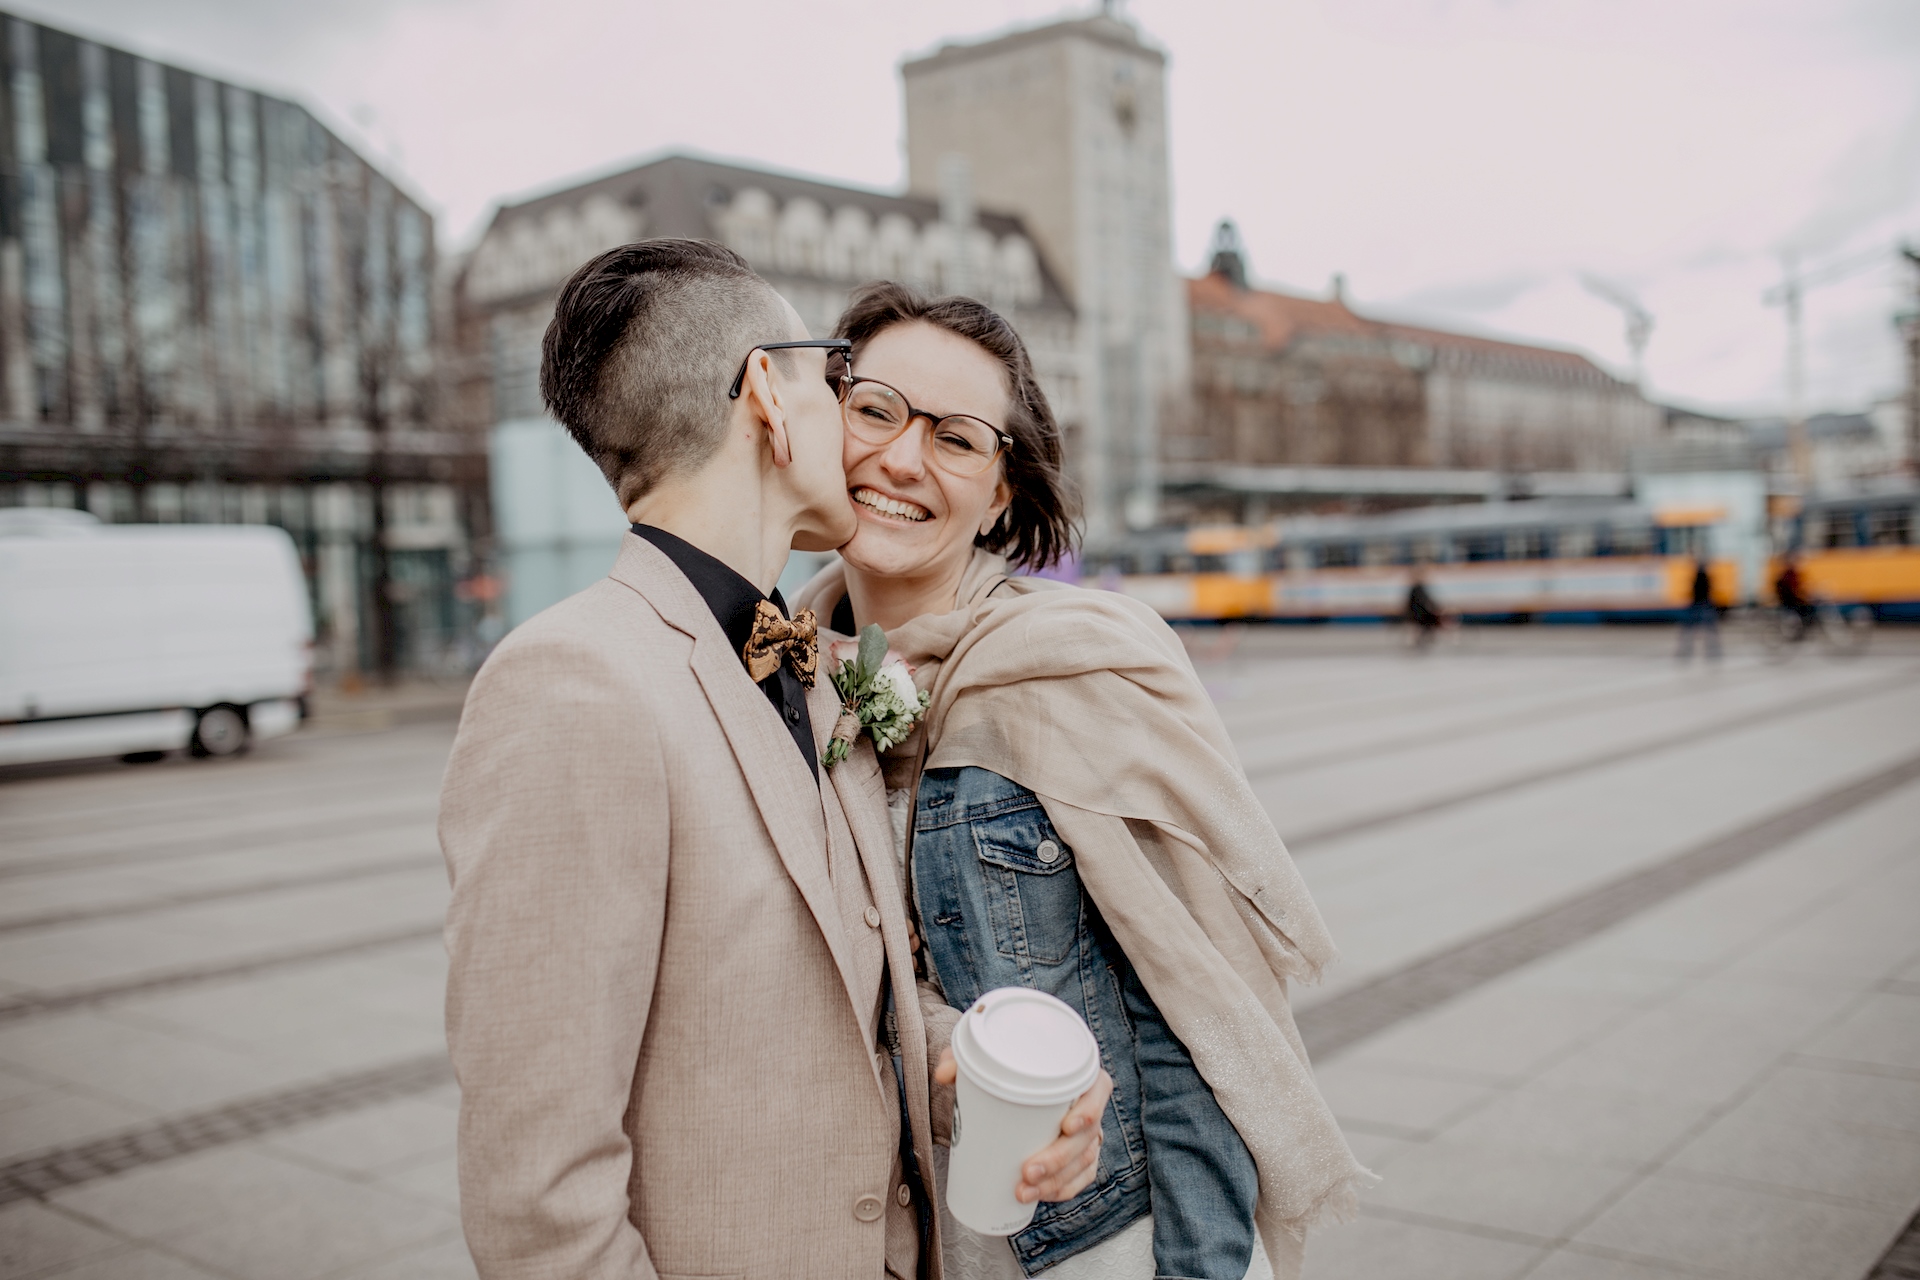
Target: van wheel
[{"x": 221, "y": 731}]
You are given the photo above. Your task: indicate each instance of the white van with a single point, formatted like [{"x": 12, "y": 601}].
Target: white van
[{"x": 136, "y": 640}]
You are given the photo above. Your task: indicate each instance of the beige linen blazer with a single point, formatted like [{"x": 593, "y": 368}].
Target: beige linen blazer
[{"x": 661, "y": 1006}]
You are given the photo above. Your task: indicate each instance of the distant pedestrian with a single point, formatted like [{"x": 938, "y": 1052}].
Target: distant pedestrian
[
  {"x": 1423, "y": 611},
  {"x": 1790, "y": 590},
  {"x": 1701, "y": 615}
]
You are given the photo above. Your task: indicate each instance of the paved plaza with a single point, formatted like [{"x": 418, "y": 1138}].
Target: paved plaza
[{"x": 1630, "y": 986}]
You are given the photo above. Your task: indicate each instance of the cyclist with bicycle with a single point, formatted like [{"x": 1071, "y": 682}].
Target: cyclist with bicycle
[{"x": 1789, "y": 589}]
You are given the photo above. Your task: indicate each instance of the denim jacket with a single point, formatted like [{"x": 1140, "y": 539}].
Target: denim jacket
[{"x": 1001, "y": 905}]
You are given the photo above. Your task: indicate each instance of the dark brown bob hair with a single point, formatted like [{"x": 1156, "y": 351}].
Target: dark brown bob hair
[{"x": 1041, "y": 524}]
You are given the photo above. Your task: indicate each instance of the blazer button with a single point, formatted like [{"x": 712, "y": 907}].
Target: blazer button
[
  {"x": 867, "y": 1208},
  {"x": 872, "y": 917},
  {"x": 1048, "y": 852},
  {"x": 904, "y": 1195}
]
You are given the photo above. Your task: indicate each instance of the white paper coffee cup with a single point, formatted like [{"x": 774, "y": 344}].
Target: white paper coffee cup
[{"x": 1023, "y": 1057}]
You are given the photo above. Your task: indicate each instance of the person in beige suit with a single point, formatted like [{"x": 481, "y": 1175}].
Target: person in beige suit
[{"x": 681, "y": 1003}]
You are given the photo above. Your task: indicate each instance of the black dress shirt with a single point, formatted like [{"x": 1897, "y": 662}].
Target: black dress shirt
[{"x": 732, "y": 599}]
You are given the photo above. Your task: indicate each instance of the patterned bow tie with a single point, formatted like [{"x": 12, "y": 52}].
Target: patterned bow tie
[{"x": 774, "y": 638}]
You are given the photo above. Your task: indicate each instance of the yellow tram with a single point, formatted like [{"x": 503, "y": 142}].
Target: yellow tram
[
  {"x": 1546, "y": 560},
  {"x": 1858, "y": 550}
]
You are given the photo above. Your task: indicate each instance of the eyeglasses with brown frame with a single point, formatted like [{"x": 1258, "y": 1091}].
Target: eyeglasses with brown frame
[
  {"x": 963, "y": 445},
  {"x": 839, "y": 363}
]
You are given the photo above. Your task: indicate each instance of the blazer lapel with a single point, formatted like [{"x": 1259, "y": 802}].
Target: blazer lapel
[
  {"x": 862, "y": 793},
  {"x": 789, "y": 802}
]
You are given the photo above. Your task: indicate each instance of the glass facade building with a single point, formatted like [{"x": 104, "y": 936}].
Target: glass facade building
[{"x": 213, "y": 310}]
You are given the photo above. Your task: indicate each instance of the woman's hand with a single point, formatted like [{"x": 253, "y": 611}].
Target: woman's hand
[{"x": 1064, "y": 1167}]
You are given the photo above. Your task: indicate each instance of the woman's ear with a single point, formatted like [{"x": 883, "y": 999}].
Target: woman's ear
[
  {"x": 1002, "y": 498},
  {"x": 762, "y": 397}
]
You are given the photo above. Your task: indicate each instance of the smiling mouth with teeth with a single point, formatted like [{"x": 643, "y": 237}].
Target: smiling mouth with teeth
[{"x": 876, "y": 501}]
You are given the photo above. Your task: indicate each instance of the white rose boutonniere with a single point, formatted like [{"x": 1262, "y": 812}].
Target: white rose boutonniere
[{"x": 877, "y": 694}]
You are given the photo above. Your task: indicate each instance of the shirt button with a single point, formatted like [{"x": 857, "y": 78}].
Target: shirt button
[
  {"x": 872, "y": 917},
  {"x": 867, "y": 1208},
  {"x": 793, "y": 715},
  {"x": 905, "y": 1195},
  {"x": 1048, "y": 852}
]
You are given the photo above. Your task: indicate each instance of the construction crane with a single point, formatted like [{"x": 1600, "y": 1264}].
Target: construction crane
[
  {"x": 1639, "y": 322},
  {"x": 1788, "y": 295}
]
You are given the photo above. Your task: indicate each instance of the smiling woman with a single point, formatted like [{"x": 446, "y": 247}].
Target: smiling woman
[
  {"x": 950, "y": 445},
  {"x": 1067, "y": 761}
]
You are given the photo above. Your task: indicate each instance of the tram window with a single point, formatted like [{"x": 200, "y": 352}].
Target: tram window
[
  {"x": 1890, "y": 526},
  {"x": 1423, "y": 550},
  {"x": 1181, "y": 562},
  {"x": 1339, "y": 555},
  {"x": 1209, "y": 564},
  {"x": 1575, "y": 544},
  {"x": 1838, "y": 531},
  {"x": 1629, "y": 542},
  {"x": 1526, "y": 544},
  {"x": 1482, "y": 546},
  {"x": 1685, "y": 541},
  {"x": 1380, "y": 553},
  {"x": 1295, "y": 556}
]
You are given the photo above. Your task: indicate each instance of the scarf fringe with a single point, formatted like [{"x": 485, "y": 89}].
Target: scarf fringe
[{"x": 1338, "y": 1204}]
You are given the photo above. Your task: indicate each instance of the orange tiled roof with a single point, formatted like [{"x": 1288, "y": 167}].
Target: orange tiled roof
[{"x": 1281, "y": 318}]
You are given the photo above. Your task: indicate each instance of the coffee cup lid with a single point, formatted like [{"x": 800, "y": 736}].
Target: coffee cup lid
[{"x": 1026, "y": 1046}]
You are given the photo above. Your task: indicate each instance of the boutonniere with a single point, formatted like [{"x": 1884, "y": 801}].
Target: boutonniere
[{"x": 876, "y": 694}]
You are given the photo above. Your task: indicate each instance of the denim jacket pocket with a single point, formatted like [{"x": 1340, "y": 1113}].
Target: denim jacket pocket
[{"x": 1033, "y": 891}]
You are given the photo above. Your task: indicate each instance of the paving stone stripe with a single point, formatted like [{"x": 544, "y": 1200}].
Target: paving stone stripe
[
  {"x": 194, "y": 897},
  {"x": 278, "y": 832},
  {"x": 1373, "y": 1006},
  {"x": 30, "y": 1004},
  {"x": 1878, "y": 687},
  {"x": 1529, "y": 716},
  {"x": 41, "y": 1174},
  {"x": 1327, "y": 1028}
]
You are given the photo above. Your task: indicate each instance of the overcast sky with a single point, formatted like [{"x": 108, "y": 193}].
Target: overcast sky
[{"x": 1461, "y": 161}]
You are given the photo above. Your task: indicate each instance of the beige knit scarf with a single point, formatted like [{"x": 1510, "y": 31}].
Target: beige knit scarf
[{"x": 1088, "y": 699}]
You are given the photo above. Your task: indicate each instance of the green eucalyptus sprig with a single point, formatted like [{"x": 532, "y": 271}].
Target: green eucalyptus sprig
[{"x": 875, "y": 695}]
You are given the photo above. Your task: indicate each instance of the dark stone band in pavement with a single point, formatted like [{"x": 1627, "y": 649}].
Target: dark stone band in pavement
[
  {"x": 1902, "y": 1260},
  {"x": 1373, "y": 1006},
  {"x": 245, "y": 889},
  {"x": 1633, "y": 751},
  {"x": 13, "y": 1008},
  {"x": 38, "y": 1175}
]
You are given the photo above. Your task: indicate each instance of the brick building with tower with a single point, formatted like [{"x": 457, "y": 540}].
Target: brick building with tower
[{"x": 1285, "y": 380}]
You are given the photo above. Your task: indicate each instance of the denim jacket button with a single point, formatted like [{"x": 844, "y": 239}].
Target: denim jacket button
[{"x": 1048, "y": 852}]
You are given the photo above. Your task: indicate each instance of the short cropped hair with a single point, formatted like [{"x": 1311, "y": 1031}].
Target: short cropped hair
[
  {"x": 644, "y": 341},
  {"x": 1041, "y": 524}
]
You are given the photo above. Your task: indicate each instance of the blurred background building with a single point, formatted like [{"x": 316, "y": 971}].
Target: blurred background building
[
  {"x": 1037, "y": 180},
  {"x": 1281, "y": 380},
  {"x": 557, "y": 525},
  {"x": 212, "y": 310},
  {"x": 1066, "y": 125}
]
